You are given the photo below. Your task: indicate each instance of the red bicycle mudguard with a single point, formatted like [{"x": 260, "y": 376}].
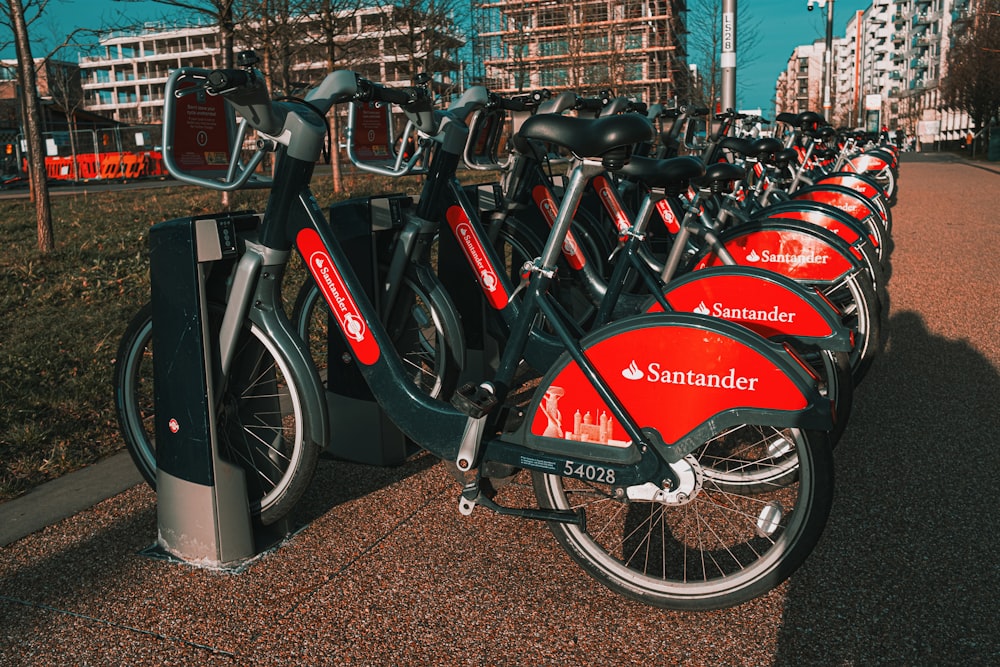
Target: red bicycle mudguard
[
  {"x": 763, "y": 301},
  {"x": 831, "y": 220},
  {"x": 811, "y": 255},
  {"x": 686, "y": 376}
]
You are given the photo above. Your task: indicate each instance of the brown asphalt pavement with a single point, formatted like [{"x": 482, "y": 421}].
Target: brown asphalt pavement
[{"x": 387, "y": 572}]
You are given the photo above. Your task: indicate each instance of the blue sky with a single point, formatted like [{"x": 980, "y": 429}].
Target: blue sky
[{"x": 782, "y": 24}]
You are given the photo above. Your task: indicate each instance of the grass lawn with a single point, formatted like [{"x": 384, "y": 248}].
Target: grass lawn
[{"x": 63, "y": 314}]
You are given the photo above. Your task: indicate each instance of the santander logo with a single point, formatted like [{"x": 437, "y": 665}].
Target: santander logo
[
  {"x": 342, "y": 305},
  {"x": 607, "y": 196},
  {"x": 632, "y": 372},
  {"x": 768, "y": 257},
  {"x": 472, "y": 248},
  {"x": 550, "y": 210},
  {"x": 655, "y": 373}
]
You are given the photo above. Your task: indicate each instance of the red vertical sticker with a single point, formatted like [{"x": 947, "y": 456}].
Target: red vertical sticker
[
  {"x": 546, "y": 203},
  {"x": 479, "y": 261},
  {"x": 611, "y": 204},
  {"x": 342, "y": 304}
]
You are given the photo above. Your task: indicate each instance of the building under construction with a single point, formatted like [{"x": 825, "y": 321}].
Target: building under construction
[{"x": 631, "y": 47}]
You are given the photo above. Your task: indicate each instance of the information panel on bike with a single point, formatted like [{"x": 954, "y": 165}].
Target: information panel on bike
[
  {"x": 371, "y": 137},
  {"x": 202, "y": 131}
]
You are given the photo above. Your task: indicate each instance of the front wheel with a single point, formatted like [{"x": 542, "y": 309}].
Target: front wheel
[
  {"x": 260, "y": 424},
  {"x": 720, "y": 546}
]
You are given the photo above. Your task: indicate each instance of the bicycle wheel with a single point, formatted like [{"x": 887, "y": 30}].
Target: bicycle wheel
[
  {"x": 133, "y": 389},
  {"x": 259, "y": 426},
  {"x": 720, "y": 546},
  {"x": 861, "y": 311},
  {"x": 431, "y": 348}
]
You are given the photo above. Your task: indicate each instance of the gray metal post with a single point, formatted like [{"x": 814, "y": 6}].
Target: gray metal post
[
  {"x": 828, "y": 63},
  {"x": 728, "y": 54}
]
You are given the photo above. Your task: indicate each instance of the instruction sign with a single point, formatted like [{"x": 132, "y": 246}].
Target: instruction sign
[
  {"x": 371, "y": 138},
  {"x": 201, "y": 128}
]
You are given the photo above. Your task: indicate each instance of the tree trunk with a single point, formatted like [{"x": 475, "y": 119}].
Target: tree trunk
[{"x": 33, "y": 123}]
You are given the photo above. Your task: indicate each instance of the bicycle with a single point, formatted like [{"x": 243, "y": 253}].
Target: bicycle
[{"x": 618, "y": 490}]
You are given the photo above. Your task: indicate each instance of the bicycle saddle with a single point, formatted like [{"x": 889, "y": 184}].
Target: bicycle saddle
[
  {"x": 765, "y": 147},
  {"x": 674, "y": 172},
  {"x": 737, "y": 145},
  {"x": 809, "y": 120},
  {"x": 608, "y": 137},
  {"x": 720, "y": 175},
  {"x": 786, "y": 157}
]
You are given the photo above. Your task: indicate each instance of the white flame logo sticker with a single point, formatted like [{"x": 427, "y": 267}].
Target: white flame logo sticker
[
  {"x": 702, "y": 309},
  {"x": 632, "y": 372},
  {"x": 753, "y": 256}
]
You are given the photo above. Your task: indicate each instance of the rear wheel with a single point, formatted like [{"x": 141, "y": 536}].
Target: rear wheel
[{"x": 723, "y": 544}]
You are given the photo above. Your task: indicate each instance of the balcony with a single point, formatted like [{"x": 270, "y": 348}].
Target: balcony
[
  {"x": 918, "y": 64},
  {"x": 895, "y": 75},
  {"x": 921, "y": 18}
]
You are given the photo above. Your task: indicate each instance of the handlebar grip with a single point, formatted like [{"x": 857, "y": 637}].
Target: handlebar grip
[
  {"x": 589, "y": 104},
  {"x": 514, "y": 104},
  {"x": 226, "y": 79},
  {"x": 368, "y": 91}
]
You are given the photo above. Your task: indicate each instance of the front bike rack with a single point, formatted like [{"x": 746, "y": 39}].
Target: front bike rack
[
  {"x": 203, "y": 513},
  {"x": 361, "y": 430}
]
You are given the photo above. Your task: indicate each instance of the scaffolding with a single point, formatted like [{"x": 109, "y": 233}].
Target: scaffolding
[{"x": 635, "y": 48}]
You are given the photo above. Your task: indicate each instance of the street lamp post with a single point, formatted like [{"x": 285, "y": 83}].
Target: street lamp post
[
  {"x": 728, "y": 60},
  {"x": 827, "y": 55}
]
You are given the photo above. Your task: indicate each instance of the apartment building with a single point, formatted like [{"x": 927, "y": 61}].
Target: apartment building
[
  {"x": 800, "y": 86},
  {"x": 632, "y": 47},
  {"x": 888, "y": 68},
  {"x": 126, "y": 79}
]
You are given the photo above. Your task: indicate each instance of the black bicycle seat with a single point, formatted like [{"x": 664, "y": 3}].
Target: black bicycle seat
[
  {"x": 608, "y": 137},
  {"x": 765, "y": 146},
  {"x": 737, "y": 145},
  {"x": 720, "y": 175},
  {"x": 674, "y": 172}
]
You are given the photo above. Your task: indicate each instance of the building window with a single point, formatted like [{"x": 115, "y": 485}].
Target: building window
[
  {"x": 553, "y": 47},
  {"x": 553, "y": 77},
  {"x": 550, "y": 17}
]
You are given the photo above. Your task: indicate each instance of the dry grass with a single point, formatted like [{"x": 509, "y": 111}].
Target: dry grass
[{"x": 63, "y": 314}]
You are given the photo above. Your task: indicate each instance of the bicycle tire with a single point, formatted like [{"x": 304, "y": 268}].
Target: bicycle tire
[
  {"x": 259, "y": 425},
  {"x": 720, "y": 548},
  {"x": 420, "y": 327}
]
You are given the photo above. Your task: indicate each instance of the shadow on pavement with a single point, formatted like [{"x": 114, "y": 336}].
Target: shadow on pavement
[{"x": 906, "y": 572}]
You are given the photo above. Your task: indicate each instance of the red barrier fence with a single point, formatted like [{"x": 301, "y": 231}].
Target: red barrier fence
[{"x": 115, "y": 166}]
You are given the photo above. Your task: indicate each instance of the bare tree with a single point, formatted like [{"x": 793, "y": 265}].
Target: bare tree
[
  {"x": 971, "y": 81},
  {"x": 18, "y": 23},
  {"x": 274, "y": 29},
  {"x": 424, "y": 34},
  {"x": 704, "y": 26},
  {"x": 334, "y": 39}
]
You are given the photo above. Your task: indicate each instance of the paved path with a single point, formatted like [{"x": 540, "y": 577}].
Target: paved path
[{"x": 388, "y": 573}]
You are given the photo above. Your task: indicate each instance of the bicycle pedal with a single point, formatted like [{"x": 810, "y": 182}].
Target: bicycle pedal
[{"x": 474, "y": 400}]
